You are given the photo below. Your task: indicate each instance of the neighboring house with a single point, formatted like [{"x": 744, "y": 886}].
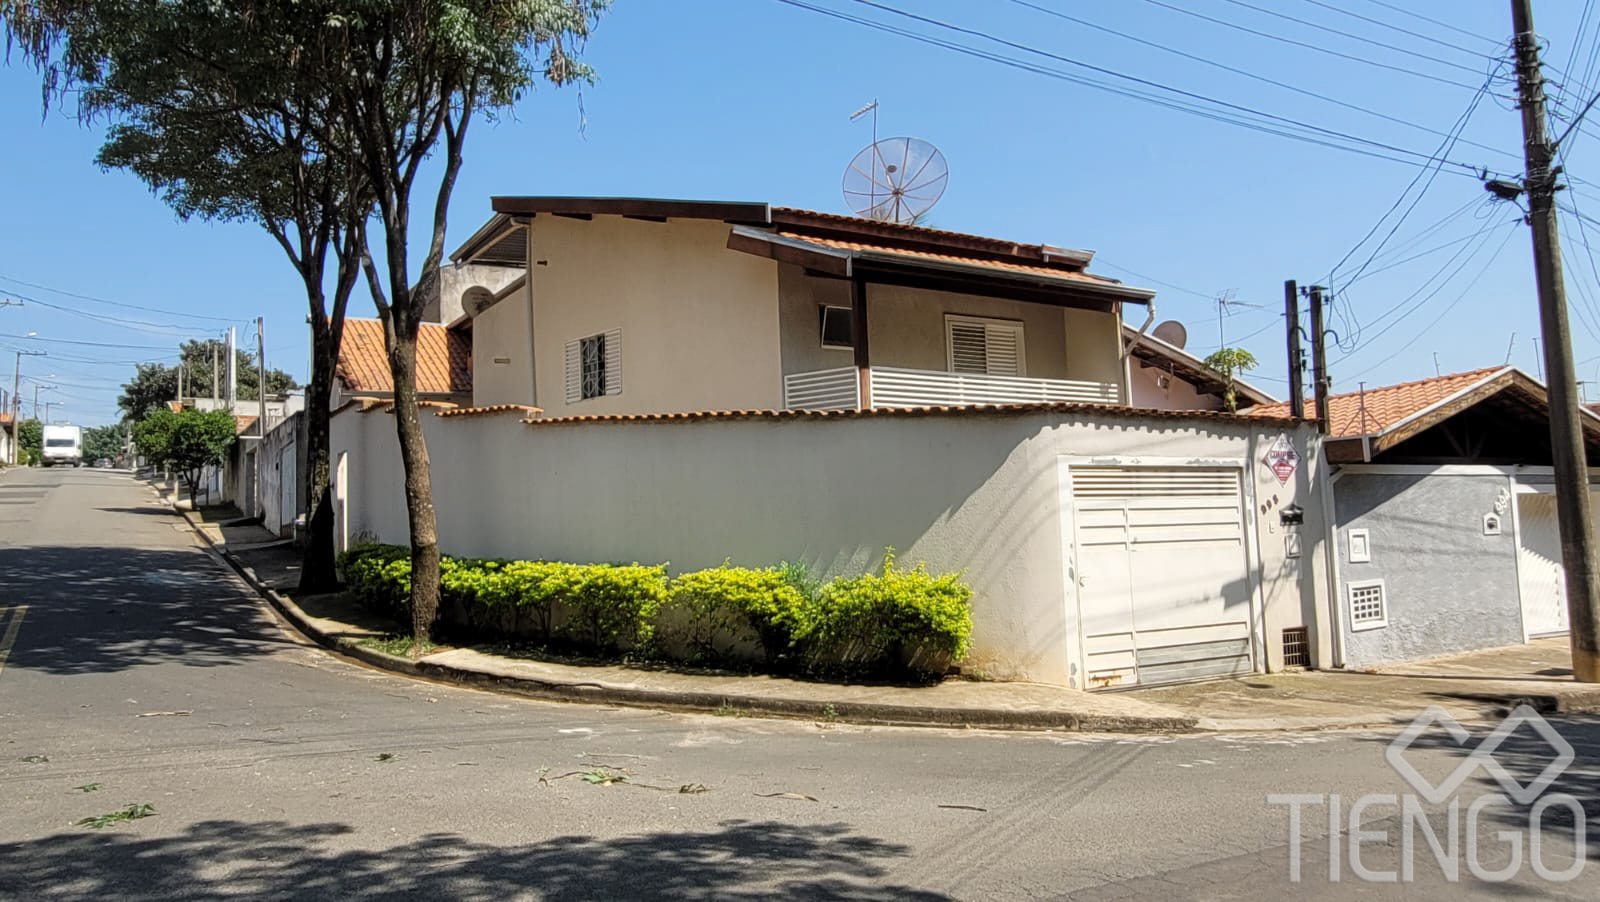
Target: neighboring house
[
  {"x": 444, "y": 363},
  {"x": 691, "y": 382},
  {"x": 1445, "y": 517},
  {"x": 1167, "y": 377},
  {"x": 8, "y": 432}
]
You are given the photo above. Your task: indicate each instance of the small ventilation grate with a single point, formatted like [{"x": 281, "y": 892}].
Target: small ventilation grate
[{"x": 1296, "y": 647}]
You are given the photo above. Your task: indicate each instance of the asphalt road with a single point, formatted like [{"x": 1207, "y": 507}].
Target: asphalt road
[{"x": 142, "y": 672}]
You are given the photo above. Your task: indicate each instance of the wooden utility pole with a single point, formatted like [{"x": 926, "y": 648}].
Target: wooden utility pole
[
  {"x": 1566, "y": 432},
  {"x": 1291, "y": 319},
  {"x": 1319, "y": 360}
]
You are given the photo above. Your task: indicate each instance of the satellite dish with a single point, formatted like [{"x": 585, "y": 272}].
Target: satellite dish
[
  {"x": 895, "y": 180},
  {"x": 1172, "y": 332}
]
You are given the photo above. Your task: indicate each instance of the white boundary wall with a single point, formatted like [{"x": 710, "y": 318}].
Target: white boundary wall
[{"x": 971, "y": 491}]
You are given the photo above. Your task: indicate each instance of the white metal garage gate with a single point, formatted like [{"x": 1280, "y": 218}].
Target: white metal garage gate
[{"x": 1163, "y": 577}]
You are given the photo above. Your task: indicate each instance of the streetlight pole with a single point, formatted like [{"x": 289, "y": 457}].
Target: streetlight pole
[{"x": 16, "y": 400}]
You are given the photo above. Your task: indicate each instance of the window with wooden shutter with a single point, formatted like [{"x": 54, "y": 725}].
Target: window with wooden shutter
[
  {"x": 989, "y": 347},
  {"x": 594, "y": 366}
]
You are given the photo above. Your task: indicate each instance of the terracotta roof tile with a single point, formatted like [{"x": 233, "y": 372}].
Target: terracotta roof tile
[
  {"x": 1051, "y": 271},
  {"x": 1377, "y": 409},
  {"x": 968, "y": 410},
  {"x": 490, "y": 409},
  {"x": 915, "y": 231},
  {"x": 444, "y": 359},
  {"x": 243, "y": 424}
]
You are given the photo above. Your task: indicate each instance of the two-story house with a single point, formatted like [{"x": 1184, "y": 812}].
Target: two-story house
[{"x": 690, "y": 382}]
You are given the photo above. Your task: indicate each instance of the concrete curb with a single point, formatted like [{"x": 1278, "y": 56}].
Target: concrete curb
[{"x": 868, "y": 713}]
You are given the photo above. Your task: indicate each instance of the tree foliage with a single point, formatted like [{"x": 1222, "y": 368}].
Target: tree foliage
[
  {"x": 1230, "y": 362},
  {"x": 188, "y": 441},
  {"x": 154, "y": 384},
  {"x": 221, "y": 108},
  {"x": 406, "y": 78},
  {"x": 30, "y": 442},
  {"x": 299, "y": 112},
  {"x": 107, "y": 442}
]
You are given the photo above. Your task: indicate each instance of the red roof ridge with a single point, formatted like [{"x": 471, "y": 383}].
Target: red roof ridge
[{"x": 918, "y": 230}]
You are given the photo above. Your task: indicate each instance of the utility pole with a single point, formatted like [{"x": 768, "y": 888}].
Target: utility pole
[
  {"x": 233, "y": 369},
  {"x": 16, "y": 401},
  {"x": 213, "y": 373},
  {"x": 36, "y": 387},
  {"x": 1538, "y": 359},
  {"x": 261, "y": 377},
  {"x": 1297, "y": 364},
  {"x": 1319, "y": 360},
  {"x": 1566, "y": 434}
]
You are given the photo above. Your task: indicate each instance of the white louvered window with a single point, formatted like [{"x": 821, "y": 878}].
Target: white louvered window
[
  {"x": 1369, "y": 609},
  {"x": 594, "y": 366},
  {"x": 990, "y": 347}
]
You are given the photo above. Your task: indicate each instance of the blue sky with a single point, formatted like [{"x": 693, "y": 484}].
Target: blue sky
[{"x": 749, "y": 100}]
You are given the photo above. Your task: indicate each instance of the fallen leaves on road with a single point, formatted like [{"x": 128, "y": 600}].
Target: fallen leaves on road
[
  {"x": 693, "y": 789},
  {"x": 165, "y": 714},
  {"x": 35, "y": 759},
  {"x": 131, "y": 812},
  {"x": 798, "y": 797},
  {"x": 87, "y": 787},
  {"x": 385, "y": 756},
  {"x": 963, "y": 807}
]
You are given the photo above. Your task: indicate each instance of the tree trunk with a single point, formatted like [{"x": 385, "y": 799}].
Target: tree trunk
[
  {"x": 419, "y": 487},
  {"x": 317, "y": 569}
]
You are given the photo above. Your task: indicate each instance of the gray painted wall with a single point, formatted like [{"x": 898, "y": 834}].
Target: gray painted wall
[{"x": 1449, "y": 587}]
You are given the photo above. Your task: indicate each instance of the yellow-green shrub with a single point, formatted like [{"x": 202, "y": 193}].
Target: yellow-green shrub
[
  {"x": 724, "y": 606},
  {"x": 907, "y": 619}
]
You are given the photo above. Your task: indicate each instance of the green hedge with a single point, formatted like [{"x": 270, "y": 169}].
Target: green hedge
[{"x": 898, "y": 622}]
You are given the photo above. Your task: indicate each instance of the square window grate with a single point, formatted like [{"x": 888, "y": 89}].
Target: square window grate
[
  {"x": 1296, "y": 647},
  {"x": 1368, "y": 607}
]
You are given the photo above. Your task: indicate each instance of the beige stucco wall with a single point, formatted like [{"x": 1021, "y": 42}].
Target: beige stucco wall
[
  {"x": 699, "y": 322},
  {"x": 502, "y": 358},
  {"x": 975, "y": 493}
]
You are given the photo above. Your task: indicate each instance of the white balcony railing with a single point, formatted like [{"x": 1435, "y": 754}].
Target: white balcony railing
[
  {"x": 895, "y": 387},
  {"x": 835, "y": 389}
]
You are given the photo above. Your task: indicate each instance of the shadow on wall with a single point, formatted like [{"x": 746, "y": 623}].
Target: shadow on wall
[
  {"x": 279, "y": 861},
  {"x": 108, "y": 609}
]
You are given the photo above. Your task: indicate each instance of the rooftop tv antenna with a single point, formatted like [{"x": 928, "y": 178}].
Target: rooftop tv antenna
[{"x": 894, "y": 179}]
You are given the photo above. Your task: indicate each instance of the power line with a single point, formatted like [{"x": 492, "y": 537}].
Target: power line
[
  {"x": 1402, "y": 312},
  {"x": 1441, "y": 24},
  {"x": 73, "y": 341},
  {"x": 95, "y": 300},
  {"x": 137, "y": 325},
  {"x": 1331, "y": 140},
  {"x": 1446, "y": 311},
  {"x": 1443, "y": 150},
  {"x": 1396, "y": 28},
  {"x": 1409, "y": 123},
  {"x": 1317, "y": 48},
  {"x": 1356, "y": 37}
]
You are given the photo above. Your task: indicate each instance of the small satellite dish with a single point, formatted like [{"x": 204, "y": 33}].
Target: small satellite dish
[
  {"x": 895, "y": 180},
  {"x": 1172, "y": 332}
]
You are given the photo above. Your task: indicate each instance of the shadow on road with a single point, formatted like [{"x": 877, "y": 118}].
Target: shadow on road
[
  {"x": 106, "y": 609},
  {"x": 1525, "y": 754},
  {"x": 278, "y": 861}
]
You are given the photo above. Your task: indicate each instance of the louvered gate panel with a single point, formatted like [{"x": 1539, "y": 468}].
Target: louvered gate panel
[{"x": 1163, "y": 578}]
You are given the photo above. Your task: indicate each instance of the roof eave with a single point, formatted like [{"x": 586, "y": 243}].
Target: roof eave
[{"x": 741, "y": 212}]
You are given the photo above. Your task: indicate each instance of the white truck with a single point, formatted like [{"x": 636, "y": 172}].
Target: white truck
[{"x": 63, "y": 445}]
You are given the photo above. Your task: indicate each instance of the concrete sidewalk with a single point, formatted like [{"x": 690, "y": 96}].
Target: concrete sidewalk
[{"x": 1480, "y": 686}]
